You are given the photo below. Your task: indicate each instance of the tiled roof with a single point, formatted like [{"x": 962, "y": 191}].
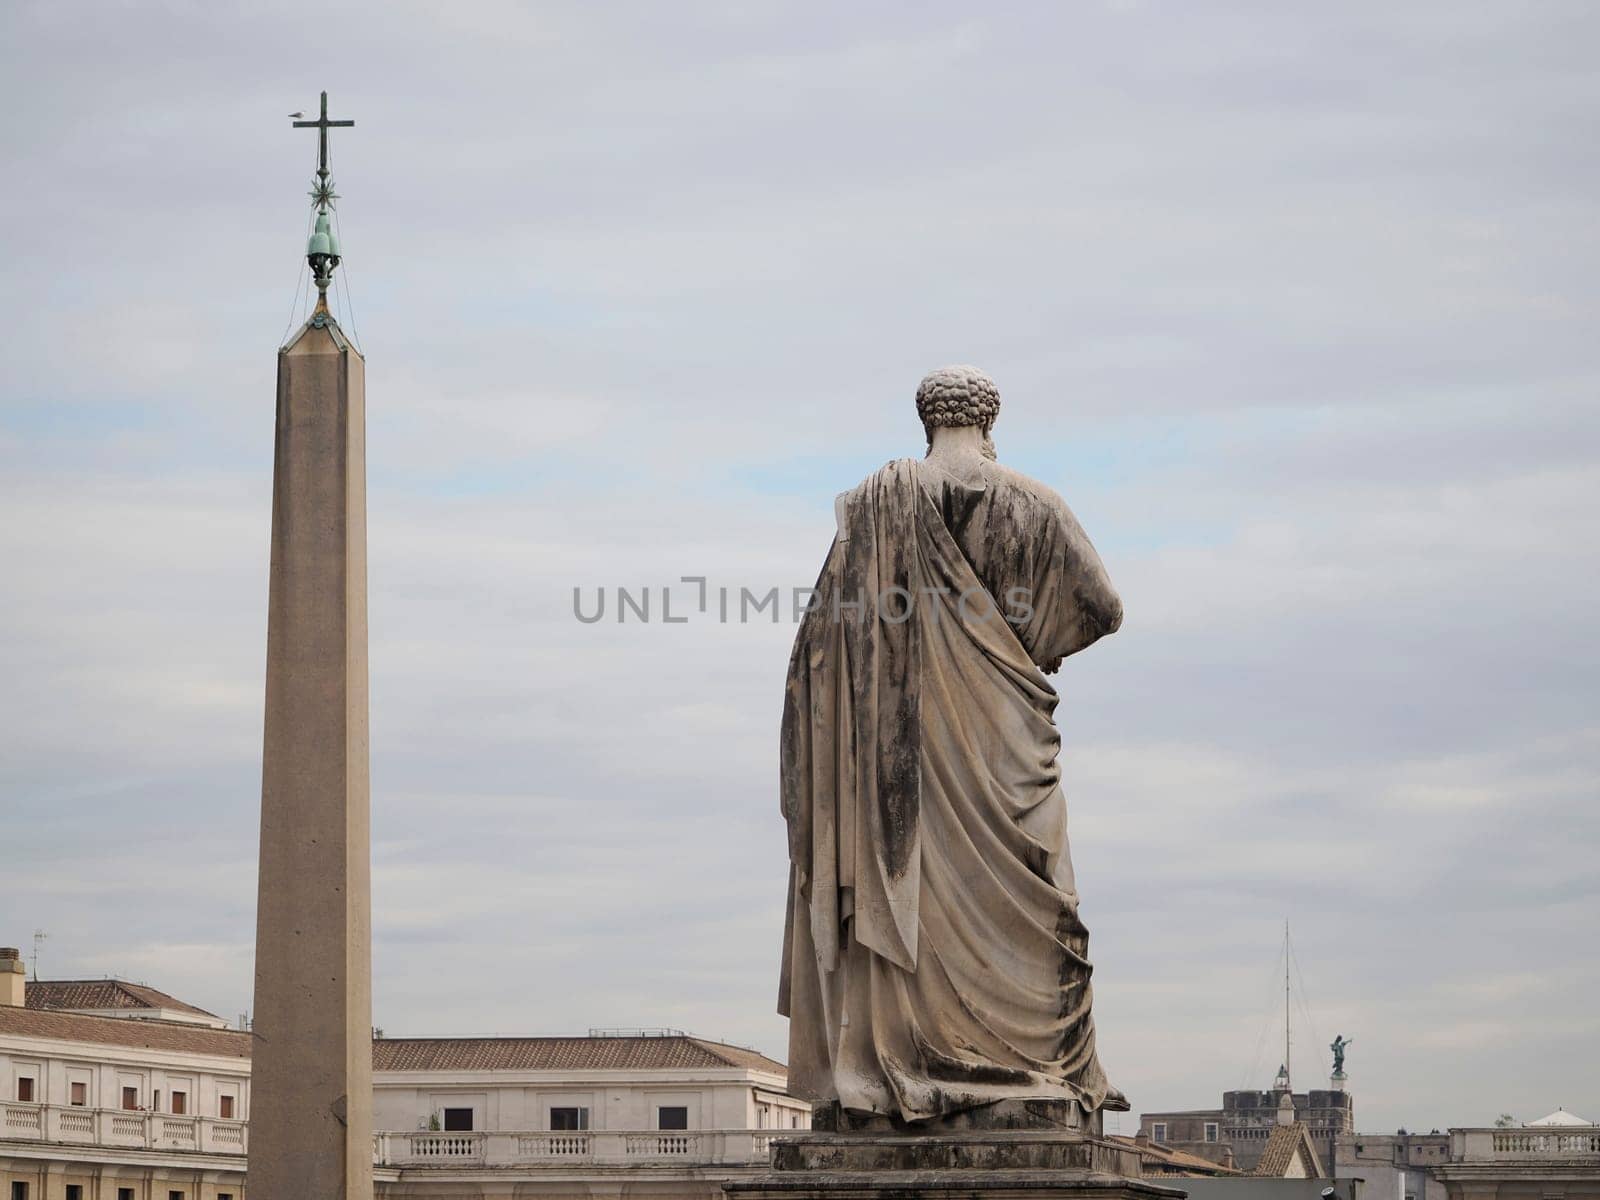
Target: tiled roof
[
  {"x": 1168, "y": 1161},
  {"x": 102, "y": 994},
  {"x": 409, "y": 1054},
  {"x": 564, "y": 1054},
  {"x": 119, "y": 1031},
  {"x": 1283, "y": 1144}
]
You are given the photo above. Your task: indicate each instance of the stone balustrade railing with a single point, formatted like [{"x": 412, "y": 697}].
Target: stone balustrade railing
[
  {"x": 611, "y": 1147},
  {"x": 120, "y": 1127},
  {"x": 115, "y": 1127},
  {"x": 1537, "y": 1143}
]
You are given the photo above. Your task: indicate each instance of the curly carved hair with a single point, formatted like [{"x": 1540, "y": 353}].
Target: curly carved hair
[{"x": 958, "y": 396}]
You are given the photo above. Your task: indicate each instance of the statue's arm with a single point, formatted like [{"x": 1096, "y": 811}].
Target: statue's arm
[{"x": 1095, "y": 604}]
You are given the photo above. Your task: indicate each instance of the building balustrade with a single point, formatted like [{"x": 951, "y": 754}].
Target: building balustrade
[
  {"x": 493, "y": 1148},
  {"x": 1533, "y": 1143},
  {"x": 120, "y": 1127}
]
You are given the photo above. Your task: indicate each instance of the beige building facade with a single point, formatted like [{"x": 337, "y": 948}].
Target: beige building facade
[
  {"x": 120, "y": 1108},
  {"x": 1557, "y": 1158},
  {"x": 154, "y": 1104}
]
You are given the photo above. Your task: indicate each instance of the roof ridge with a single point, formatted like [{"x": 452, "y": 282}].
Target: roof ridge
[
  {"x": 67, "y": 1014},
  {"x": 712, "y": 1049}
]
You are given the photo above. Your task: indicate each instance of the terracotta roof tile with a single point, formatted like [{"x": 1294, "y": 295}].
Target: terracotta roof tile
[
  {"x": 1165, "y": 1160},
  {"x": 102, "y": 994},
  {"x": 409, "y": 1054},
  {"x": 564, "y": 1054},
  {"x": 120, "y": 1031},
  {"x": 1283, "y": 1144}
]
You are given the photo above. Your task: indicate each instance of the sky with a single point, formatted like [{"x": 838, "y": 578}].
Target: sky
[{"x": 1293, "y": 303}]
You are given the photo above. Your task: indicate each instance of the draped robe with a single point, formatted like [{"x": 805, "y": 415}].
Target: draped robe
[{"x": 934, "y": 960}]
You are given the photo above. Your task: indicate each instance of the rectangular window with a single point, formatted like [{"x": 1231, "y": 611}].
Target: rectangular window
[
  {"x": 74, "y": 1191},
  {"x": 1211, "y": 1131},
  {"x": 568, "y": 1119},
  {"x": 794, "y": 1121},
  {"x": 672, "y": 1116},
  {"x": 130, "y": 1101},
  {"x": 180, "y": 1103},
  {"x": 1158, "y": 1132},
  {"x": 25, "y": 1092},
  {"x": 225, "y": 1107},
  {"x": 458, "y": 1120},
  {"x": 78, "y": 1097},
  {"x": 19, "y": 1191},
  {"x": 174, "y": 1195},
  {"x": 124, "y": 1194}
]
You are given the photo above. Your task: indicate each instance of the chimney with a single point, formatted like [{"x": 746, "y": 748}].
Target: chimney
[{"x": 13, "y": 978}]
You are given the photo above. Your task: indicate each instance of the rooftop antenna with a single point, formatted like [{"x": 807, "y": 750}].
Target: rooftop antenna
[{"x": 39, "y": 936}]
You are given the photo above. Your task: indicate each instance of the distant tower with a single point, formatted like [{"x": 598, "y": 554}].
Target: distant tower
[{"x": 311, "y": 1085}]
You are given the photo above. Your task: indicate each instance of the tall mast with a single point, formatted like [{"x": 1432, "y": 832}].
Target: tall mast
[{"x": 1287, "y": 1078}]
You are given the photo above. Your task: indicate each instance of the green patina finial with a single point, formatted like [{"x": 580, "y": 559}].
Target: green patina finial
[{"x": 322, "y": 251}]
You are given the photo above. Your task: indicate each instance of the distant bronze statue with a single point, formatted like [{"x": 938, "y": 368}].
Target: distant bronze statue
[
  {"x": 934, "y": 961},
  {"x": 1339, "y": 1043}
]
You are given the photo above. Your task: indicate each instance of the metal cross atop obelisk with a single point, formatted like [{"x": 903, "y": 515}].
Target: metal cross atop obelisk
[{"x": 323, "y": 250}]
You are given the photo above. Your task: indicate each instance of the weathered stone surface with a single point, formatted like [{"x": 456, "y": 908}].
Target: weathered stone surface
[
  {"x": 974, "y": 1150},
  {"x": 311, "y": 1085},
  {"x": 832, "y": 1117},
  {"x": 935, "y": 962},
  {"x": 947, "y": 1185}
]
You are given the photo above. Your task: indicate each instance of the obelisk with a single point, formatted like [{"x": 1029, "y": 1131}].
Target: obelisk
[{"x": 311, "y": 1074}]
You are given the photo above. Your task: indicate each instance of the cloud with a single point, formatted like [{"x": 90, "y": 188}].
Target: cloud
[{"x": 1293, "y": 308}]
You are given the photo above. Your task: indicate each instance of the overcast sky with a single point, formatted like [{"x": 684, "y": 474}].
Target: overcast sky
[{"x": 1293, "y": 302}]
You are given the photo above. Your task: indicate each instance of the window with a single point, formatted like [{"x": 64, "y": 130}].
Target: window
[
  {"x": 672, "y": 1116},
  {"x": 1158, "y": 1132},
  {"x": 794, "y": 1120},
  {"x": 124, "y": 1194},
  {"x": 569, "y": 1118},
  {"x": 458, "y": 1119},
  {"x": 1211, "y": 1131},
  {"x": 225, "y": 1107},
  {"x": 130, "y": 1101},
  {"x": 180, "y": 1104},
  {"x": 78, "y": 1097},
  {"x": 174, "y": 1195},
  {"x": 74, "y": 1191},
  {"x": 24, "y": 1094},
  {"x": 224, "y": 1196},
  {"x": 19, "y": 1190}
]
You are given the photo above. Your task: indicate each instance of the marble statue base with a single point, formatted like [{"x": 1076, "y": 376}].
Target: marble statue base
[
  {"x": 1014, "y": 1115},
  {"x": 1042, "y": 1162}
]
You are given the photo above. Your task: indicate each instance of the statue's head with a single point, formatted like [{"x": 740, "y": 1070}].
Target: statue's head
[{"x": 958, "y": 396}]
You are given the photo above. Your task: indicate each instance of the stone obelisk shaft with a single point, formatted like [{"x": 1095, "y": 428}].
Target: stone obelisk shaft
[{"x": 311, "y": 1075}]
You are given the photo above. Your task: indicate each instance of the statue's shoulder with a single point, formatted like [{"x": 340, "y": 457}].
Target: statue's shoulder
[
  {"x": 895, "y": 471},
  {"x": 1026, "y": 487}
]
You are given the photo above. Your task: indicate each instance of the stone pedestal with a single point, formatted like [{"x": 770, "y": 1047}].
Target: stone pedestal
[{"x": 953, "y": 1163}]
